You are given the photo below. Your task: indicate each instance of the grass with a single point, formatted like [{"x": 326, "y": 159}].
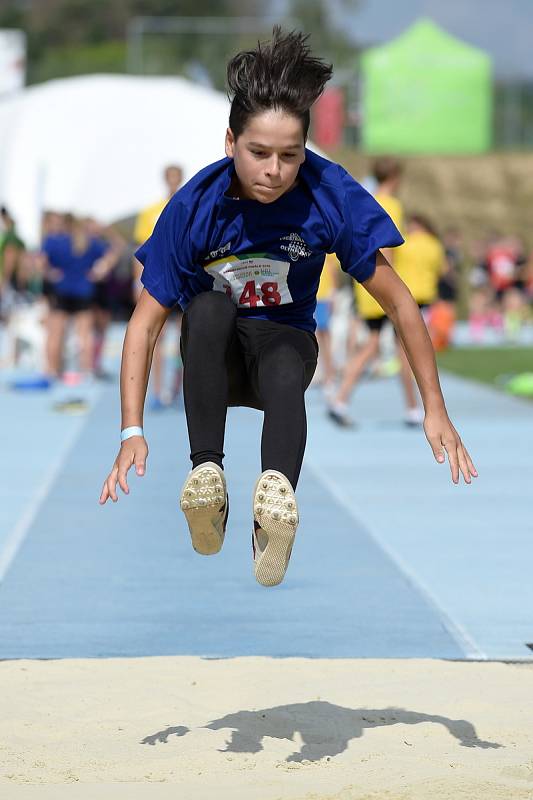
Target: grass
[{"x": 487, "y": 364}]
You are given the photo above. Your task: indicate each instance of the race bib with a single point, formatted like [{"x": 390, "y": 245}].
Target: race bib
[{"x": 252, "y": 281}]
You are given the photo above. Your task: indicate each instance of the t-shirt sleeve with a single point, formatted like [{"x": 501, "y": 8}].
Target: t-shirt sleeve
[
  {"x": 165, "y": 256},
  {"x": 365, "y": 229}
]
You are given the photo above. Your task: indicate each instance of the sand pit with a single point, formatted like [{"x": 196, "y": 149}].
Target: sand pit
[{"x": 263, "y": 729}]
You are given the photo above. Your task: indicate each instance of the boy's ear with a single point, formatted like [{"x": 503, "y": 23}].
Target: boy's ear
[{"x": 230, "y": 143}]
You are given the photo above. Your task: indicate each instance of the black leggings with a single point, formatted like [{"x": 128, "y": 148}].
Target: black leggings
[{"x": 236, "y": 361}]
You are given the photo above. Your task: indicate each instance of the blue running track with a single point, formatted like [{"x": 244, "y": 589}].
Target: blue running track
[{"x": 391, "y": 559}]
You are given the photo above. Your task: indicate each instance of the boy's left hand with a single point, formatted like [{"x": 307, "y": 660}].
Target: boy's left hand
[{"x": 442, "y": 438}]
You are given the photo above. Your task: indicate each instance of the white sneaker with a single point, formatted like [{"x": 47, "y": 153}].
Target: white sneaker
[
  {"x": 205, "y": 503},
  {"x": 338, "y": 413},
  {"x": 275, "y": 522},
  {"x": 414, "y": 417}
]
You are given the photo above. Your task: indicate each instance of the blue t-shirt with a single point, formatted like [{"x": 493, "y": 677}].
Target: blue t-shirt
[
  {"x": 266, "y": 256},
  {"x": 74, "y": 266}
]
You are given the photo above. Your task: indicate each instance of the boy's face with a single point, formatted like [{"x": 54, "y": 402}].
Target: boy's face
[{"x": 267, "y": 155}]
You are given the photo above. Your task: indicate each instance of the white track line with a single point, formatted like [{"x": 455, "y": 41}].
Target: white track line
[
  {"x": 460, "y": 636},
  {"x": 17, "y": 536}
]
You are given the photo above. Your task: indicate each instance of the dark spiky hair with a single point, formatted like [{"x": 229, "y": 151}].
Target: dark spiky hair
[{"x": 279, "y": 74}]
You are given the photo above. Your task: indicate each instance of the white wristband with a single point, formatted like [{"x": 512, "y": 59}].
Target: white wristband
[{"x": 127, "y": 433}]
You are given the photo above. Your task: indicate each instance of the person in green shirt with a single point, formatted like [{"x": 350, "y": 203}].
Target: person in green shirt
[{"x": 11, "y": 250}]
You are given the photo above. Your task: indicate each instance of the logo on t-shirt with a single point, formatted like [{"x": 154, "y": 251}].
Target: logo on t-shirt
[
  {"x": 219, "y": 253},
  {"x": 295, "y": 247}
]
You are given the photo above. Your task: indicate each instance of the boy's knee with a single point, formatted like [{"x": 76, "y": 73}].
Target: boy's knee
[
  {"x": 210, "y": 310},
  {"x": 283, "y": 366}
]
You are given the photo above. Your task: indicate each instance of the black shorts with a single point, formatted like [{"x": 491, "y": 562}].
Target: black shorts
[
  {"x": 244, "y": 353},
  {"x": 375, "y": 323},
  {"x": 69, "y": 304}
]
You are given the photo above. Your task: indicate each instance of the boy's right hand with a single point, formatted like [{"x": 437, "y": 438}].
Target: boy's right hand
[{"x": 133, "y": 451}]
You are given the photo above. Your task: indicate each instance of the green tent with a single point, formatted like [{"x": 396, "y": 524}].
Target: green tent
[{"x": 426, "y": 92}]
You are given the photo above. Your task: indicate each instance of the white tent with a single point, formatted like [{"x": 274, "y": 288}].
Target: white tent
[{"x": 97, "y": 145}]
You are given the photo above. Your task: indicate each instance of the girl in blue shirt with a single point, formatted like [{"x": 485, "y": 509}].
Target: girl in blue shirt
[
  {"x": 240, "y": 248},
  {"x": 72, "y": 260}
]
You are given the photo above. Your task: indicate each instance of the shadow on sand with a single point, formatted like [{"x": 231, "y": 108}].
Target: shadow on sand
[{"x": 326, "y": 729}]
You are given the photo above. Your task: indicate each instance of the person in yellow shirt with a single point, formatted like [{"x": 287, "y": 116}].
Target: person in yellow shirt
[
  {"x": 144, "y": 225},
  {"x": 324, "y": 298},
  {"x": 147, "y": 218},
  {"x": 387, "y": 172},
  {"x": 419, "y": 262}
]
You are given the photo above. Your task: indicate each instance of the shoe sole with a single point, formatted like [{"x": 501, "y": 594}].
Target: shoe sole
[
  {"x": 202, "y": 500},
  {"x": 278, "y": 521}
]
